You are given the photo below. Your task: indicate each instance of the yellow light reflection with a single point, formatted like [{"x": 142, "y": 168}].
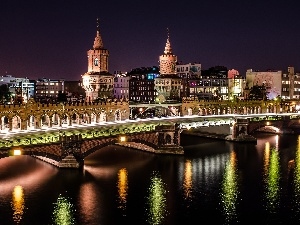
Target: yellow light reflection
[
  {"x": 272, "y": 181},
  {"x": 187, "y": 182},
  {"x": 63, "y": 213},
  {"x": 157, "y": 201},
  {"x": 122, "y": 187},
  {"x": 18, "y": 203},
  {"x": 230, "y": 192}
]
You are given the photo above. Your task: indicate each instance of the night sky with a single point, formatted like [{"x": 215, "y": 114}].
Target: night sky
[{"x": 51, "y": 38}]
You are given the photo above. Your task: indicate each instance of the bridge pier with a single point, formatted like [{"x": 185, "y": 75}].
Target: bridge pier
[
  {"x": 168, "y": 139},
  {"x": 71, "y": 152},
  {"x": 239, "y": 131}
]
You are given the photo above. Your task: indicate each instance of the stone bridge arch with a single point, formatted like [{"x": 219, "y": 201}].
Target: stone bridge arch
[
  {"x": 257, "y": 125},
  {"x": 68, "y": 149}
]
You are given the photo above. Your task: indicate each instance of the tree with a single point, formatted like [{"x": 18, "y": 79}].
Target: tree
[
  {"x": 62, "y": 97},
  {"x": 4, "y": 93},
  {"x": 258, "y": 92}
]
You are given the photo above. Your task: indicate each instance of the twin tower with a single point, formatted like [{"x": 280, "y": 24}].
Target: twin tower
[{"x": 98, "y": 82}]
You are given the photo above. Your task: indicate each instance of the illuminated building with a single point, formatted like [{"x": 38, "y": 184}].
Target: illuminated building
[
  {"x": 21, "y": 89},
  {"x": 141, "y": 84},
  {"x": 236, "y": 85},
  {"x": 168, "y": 84},
  {"x": 290, "y": 84},
  {"x": 121, "y": 86},
  {"x": 270, "y": 79},
  {"x": 97, "y": 81},
  {"x": 48, "y": 89},
  {"x": 188, "y": 72},
  {"x": 212, "y": 84}
]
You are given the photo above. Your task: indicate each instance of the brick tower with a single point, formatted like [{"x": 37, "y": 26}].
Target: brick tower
[
  {"x": 97, "y": 81},
  {"x": 167, "y": 84}
]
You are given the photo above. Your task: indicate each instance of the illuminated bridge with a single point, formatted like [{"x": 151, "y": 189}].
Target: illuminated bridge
[
  {"x": 64, "y": 135},
  {"x": 68, "y": 146}
]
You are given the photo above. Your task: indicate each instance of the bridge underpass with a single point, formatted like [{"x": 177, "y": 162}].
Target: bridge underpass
[{"x": 145, "y": 110}]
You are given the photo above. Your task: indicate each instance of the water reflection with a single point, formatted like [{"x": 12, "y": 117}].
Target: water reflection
[
  {"x": 297, "y": 176},
  {"x": 272, "y": 176},
  {"x": 88, "y": 200},
  {"x": 18, "y": 203},
  {"x": 230, "y": 192},
  {"x": 187, "y": 182},
  {"x": 63, "y": 213},
  {"x": 266, "y": 157},
  {"x": 122, "y": 187},
  {"x": 156, "y": 201}
]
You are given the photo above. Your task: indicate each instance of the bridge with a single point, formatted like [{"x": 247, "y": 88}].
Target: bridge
[{"x": 64, "y": 140}]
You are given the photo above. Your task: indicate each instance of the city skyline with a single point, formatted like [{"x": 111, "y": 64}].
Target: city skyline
[{"x": 52, "y": 39}]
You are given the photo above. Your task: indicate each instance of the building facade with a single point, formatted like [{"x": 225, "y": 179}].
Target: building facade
[
  {"x": 21, "y": 89},
  {"x": 187, "y": 72},
  {"x": 212, "y": 84},
  {"x": 290, "y": 84},
  {"x": 121, "y": 86},
  {"x": 141, "y": 84},
  {"x": 97, "y": 81},
  {"x": 270, "y": 79},
  {"x": 47, "y": 90}
]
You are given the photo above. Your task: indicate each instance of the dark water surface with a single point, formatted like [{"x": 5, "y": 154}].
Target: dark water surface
[{"x": 215, "y": 182}]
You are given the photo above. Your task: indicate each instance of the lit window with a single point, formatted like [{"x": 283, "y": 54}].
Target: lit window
[{"x": 96, "y": 62}]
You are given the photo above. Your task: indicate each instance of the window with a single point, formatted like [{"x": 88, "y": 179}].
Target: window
[{"x": 96, "y": 62}]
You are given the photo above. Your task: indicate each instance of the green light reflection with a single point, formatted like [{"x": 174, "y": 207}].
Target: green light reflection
[
  {"x": 297, "y": 176},
  {"x": 156, "y": 201},
  {"x": 63, "y": 213},
  {"x": 230, "y": 191},
  {"x": 272, "y": 181}
]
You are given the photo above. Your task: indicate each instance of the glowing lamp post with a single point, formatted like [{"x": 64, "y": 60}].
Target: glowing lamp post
[
  {"x": 122, "y": 138},
  {"x": 17, "y": 152}
]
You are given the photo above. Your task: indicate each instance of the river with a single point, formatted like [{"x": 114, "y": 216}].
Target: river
[{"x": 214, "y": 182}]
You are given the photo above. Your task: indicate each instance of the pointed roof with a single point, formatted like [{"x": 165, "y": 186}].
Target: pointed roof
[
  {"x": 168, "y": 49},
  {"x": 98, "y": 44}
]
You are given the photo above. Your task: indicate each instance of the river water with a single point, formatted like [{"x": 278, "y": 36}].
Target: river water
[{"x": 215, "y": 182}]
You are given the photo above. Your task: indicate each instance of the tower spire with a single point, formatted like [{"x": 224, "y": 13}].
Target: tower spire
[
  {"x": 98, "y": 44},
  {"x": 168, "y": 49},
  {"x": 168, "y": 33},
  {"x": 98, "y": 24}
]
